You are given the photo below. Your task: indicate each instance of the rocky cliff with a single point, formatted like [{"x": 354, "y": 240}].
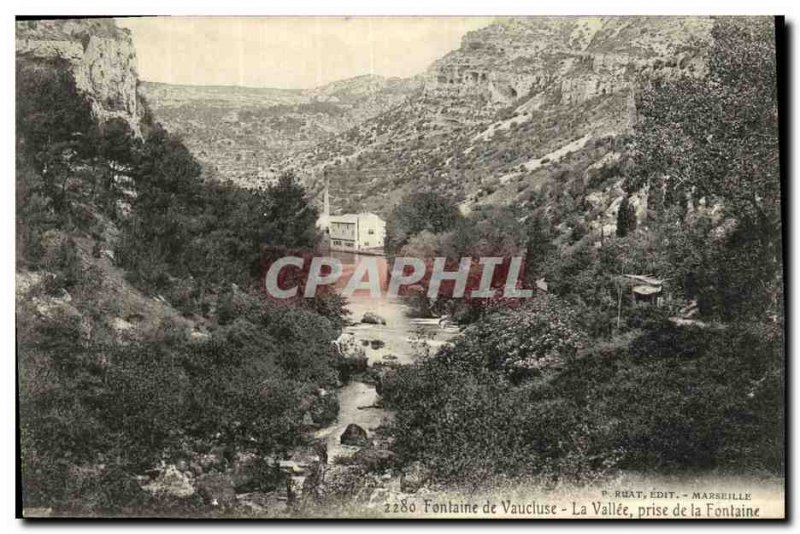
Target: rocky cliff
[
  {"x": 102, "y": 59},
  {"x": 522, "y": 105},
  {"x": 567, "y": 60}
]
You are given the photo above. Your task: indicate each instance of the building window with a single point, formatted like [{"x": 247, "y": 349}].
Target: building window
[{"x": 371, "y": 231}]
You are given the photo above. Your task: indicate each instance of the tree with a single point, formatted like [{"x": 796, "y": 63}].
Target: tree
[
  {"x": 288, "y": 219},
  {"x": 55, "y": 125},
  {"x": 539, "y": 246},
  {"x": 713, "y": 140},
  {"x": 626, "y": 217},
  {"x": 717, "y": 136},
  {"x": 53, "y": 117},
  {"x": 162, "y": 224},
  {"x": 523, "y": 341},
  {"x": 429, "y": 211}
]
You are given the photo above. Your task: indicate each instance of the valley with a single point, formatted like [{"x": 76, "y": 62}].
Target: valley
[
  {"x": 243, "y": 134},
  {"x": 496, "y": 121},
  {"x": 630, "y": 164}
]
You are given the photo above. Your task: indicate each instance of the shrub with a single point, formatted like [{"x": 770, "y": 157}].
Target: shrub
[
  {"x": 680, "y": 399},
  {"x": 324, "y": 409}
]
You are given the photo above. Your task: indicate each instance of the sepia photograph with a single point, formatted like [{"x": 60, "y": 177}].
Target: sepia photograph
[{"x": 400, "y": 267}]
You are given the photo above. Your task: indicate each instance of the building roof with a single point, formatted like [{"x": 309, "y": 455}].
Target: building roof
[
  {"x": 646, "y": 290},
  {"x": 645, "y": 279},
  {"x": 351, "y": 218}
]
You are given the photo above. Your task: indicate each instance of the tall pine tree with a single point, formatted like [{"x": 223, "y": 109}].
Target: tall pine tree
[{"x": 626, "y": 217}]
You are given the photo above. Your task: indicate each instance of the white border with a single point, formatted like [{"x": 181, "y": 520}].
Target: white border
[{"x": 307, "y": 7}]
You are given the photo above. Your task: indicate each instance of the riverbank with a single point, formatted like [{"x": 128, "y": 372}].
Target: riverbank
[{"x": 397, "y": 342}]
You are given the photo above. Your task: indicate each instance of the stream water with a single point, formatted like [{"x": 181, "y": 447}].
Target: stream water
[{"x": 398, "y": 341}]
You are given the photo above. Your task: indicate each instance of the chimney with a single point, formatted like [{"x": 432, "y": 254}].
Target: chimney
[{"x": 326, "y": 200}]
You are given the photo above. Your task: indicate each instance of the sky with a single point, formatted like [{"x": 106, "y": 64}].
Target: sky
[{"x": 290, "y": 52}]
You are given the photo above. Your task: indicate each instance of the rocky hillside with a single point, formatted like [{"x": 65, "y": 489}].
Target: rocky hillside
[
  {"x": 521, "y": 105},
  {"x": 524, "y": 105},
  {"x": 566, "y": 60},
  {"x": 243, "y": 133},
  {"x": 100, "y": 56},
  {"x": 100, "y": 59}
]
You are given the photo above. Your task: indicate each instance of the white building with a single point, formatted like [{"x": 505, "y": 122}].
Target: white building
[{"x": 352, "y": 231}]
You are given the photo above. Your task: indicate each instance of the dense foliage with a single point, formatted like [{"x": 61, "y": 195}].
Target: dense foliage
[
  {"x": 587, "y": 380},
  {"x": 418, "y": 212},
  {"x": 677, "y": 399},
  {"x": 231, "y": 372},
  {"x": 579, "y": 381},
  {"x": 713, "y": 141}
]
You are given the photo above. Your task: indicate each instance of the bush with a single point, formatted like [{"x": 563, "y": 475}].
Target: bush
[
  {"x": 678, "y": 400},
  {"x": 324, "y": 409},
  {"x": 522, "y": 342},
  {"x": 474, "y": 406},
  {"x": 667, "y": 340},
  {"x": 94, "y": 412}
]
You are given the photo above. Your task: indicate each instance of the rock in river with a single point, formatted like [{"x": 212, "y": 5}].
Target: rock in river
[
  {"x": 354, "y": 435},
  {"x": 372, "y": 318}
]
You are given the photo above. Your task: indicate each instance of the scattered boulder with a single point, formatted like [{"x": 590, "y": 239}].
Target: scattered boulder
[
  {"x": 354, "y": 435},
  {"x": 216, "y": 489},
  {"x": 215, "y": 459},
  {"x": 347, "y": 345},
  {"x": 377, "y": 344},
  {"x": 119, "y": 324},
  {"x": 246, "y": 471},
  {"x": 291, "y": 467},
  {"x": 372, "y": 318},
  {"x": 172, "y": 482},
  {"x": 373, "y": 458},
  {"x": 197, "y": 335},
  {"x": 413, "y": 478}
]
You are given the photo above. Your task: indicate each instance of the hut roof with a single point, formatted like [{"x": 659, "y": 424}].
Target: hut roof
[
  {"x": 646, "y": 290},
  {"x": 645, "y": 279}
]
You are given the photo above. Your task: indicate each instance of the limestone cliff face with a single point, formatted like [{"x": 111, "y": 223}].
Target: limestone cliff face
[
  {"x": 568, "y": 60},
  {"x": 524, "y": 107},
  {"x": 102, "y": 59}
]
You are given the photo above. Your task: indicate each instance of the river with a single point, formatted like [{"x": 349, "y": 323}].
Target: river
[{"x": 400, "y": 340}]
